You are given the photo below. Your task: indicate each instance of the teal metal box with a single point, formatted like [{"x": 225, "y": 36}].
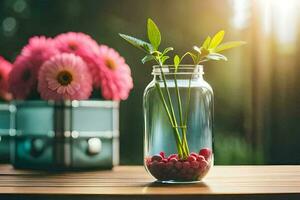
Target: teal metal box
[
  {"x": 66, "y": 135},
  {"x": 7, "y": 112}
]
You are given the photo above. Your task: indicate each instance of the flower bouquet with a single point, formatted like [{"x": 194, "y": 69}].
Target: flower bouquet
[
  {"x": 66, "y": 91},
  {"x": 6, "y": 110},
  {"x": 69, "y": 67},
  {"x": 178, "y": 108}
]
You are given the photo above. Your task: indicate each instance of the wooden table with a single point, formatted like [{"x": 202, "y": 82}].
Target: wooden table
[{"x": 124, "y": 182}]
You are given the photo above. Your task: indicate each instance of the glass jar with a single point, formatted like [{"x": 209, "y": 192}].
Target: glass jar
[{"x": 178, "y": 116}]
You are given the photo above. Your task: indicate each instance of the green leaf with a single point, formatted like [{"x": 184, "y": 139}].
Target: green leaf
[
  {"x": 147, "y": 58},
  {"x": 176, "y": 62},
  {"x": 153, "y": 34},
  {"x": 216, "y": 56},
  {"x": 201, "y": 53},
  {"x": 167, "y": 50},
  {"x": 229, "y": 45},
  {"x": 206, "y": 42},
  {"x": 140, "y": 44},
  {"x": 193, "y": 56},
  {"x": 217, "y": 39},
  {"x": 164, "y": 58},
  {"x": 156, "y": 53},
  {"x": 147, "y": 48}
]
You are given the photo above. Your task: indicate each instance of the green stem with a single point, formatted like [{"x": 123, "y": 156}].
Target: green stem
[
  {"x": 185, "y": 143},
  {"x": 175, "y": 125},
  {"x": 184, "y": 139},
  {"x": 176, "y": 134},
  {"x": 168, "y": 95},
  {"x": 182, "y": 126},
  {"x": 178, "y": 142},
  {"x": 164, "y": 103}
]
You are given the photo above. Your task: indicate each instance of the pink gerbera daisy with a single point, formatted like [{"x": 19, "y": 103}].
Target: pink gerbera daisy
[
  {"x": 64, "y": 77},
  {"x": 81, "y": 45},
  {"x": 114, "y": 74},
  {"x": 5, "y": 68},
  {"x": 76, "y": 43},
  {"x": 23, "y": 78},
  {"x": 38, "y": 50}
]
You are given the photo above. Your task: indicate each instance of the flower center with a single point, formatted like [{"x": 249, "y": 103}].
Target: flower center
[
  {"x": 64, "y": 78},
  {"x": 110, "y": 64},
  {"x": 72, "y": 46},
  {"x": 26, "y": 75}
]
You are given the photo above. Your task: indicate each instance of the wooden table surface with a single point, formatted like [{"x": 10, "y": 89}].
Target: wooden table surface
[{"x": 132, "y": 182}]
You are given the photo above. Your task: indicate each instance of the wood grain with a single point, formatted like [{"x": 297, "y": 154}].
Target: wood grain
[{"x": 134, "y": 181}]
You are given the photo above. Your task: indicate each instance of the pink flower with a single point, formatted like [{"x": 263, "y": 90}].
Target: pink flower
[
  {"x": 5, "y": 68},
  {"x": 23, "y": 78},
  {"x": 64, "y": 77},
  {"x": 76, "y": 43},
  {"x": 81, "y": 45},
  {"x": 38, "y": 50},
  {"x": 114, "y": 74}
]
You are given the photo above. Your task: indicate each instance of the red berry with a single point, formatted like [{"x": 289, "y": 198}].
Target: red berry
[
  {"x": 147, "y": 160},
  {"x": 183, "y": 172},
  {"x": 191, "y": 158},
  {"x": 162, "y": 154},
  {"x": 194, "y": 154},
  {"x": 172, "y": 156},
  {"x": 178, "y": 165},
  {"x": 190, "y": 171},
  {"x": 161, "y": 165},
  {"x": 169, "y": 165},
  {"x": 206, "y": 153},
  {"x": 200, "y": 158},
  {"x": 157, "y": 158},
  {"x": 174, "y": 160},
  {"x": 154, "y": 164},
  {"x": 195, "y": 164},
  {"x": 173, "y": 172},
  {"x": 203, "y": 164},
  {"x": 186, "y": 165}
]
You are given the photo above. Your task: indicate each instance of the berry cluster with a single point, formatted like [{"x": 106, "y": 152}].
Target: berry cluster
[{"x": 170, "y": 168}]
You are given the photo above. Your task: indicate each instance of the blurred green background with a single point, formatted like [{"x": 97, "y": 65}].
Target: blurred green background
[{"x": 256, "y": 92}]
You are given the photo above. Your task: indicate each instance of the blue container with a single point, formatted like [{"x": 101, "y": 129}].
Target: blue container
[
  {"x": 66, "y": 135},
  {"x": 7, "y": 112}
]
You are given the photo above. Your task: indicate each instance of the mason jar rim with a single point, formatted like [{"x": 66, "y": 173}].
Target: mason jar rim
[{"x": 183, "y": 69}]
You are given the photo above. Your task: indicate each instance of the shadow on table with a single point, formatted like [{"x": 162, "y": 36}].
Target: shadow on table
[
  {"x": 160, "y": 184},
  {"x": 164, "y": 188}
]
